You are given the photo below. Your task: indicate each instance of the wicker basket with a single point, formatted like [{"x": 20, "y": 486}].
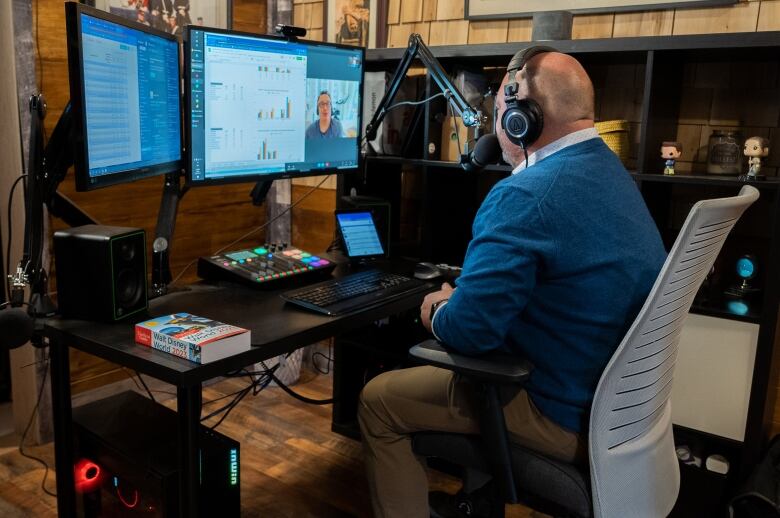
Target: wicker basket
[{"x": 615, "y": 136}]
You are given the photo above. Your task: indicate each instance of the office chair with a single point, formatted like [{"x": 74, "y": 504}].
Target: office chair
[{"x": 633, "y": 470}]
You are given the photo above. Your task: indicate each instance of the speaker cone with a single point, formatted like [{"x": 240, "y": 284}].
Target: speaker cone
[
  {"x": 129, "y": 287},
  {"x": 127, "y": 250}
]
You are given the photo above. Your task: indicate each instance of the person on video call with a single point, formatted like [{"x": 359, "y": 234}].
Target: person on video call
[
  {"x": 325, "y": 126},
  {"x": 563, "y": 255}
]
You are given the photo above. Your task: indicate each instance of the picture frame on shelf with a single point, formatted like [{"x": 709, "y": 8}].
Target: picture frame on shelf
[
  {"x": 495, "y": 9},
  {"x": 171, "y": 15},
  {"x": 362, "y": 23}
]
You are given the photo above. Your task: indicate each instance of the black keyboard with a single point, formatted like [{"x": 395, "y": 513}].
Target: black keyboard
[{"x": 355, "y": 291}]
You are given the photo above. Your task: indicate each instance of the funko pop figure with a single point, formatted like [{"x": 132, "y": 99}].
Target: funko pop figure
[
  {"x": 755, "y": 149},
  {"x": 671, "y": 151}
]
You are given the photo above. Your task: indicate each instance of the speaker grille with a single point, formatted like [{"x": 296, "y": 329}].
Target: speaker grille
[{"x": 129, "y": 273}]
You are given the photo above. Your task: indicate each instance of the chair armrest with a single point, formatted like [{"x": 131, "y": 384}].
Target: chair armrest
[{"x": 496, "y": 367}]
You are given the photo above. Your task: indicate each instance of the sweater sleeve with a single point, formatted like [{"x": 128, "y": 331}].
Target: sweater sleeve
[{"x": 509, "y": 247}]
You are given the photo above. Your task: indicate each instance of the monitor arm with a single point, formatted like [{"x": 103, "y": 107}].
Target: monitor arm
[
  {"x": 417, "y": 49},
  {"x": 47, "y": 166}
]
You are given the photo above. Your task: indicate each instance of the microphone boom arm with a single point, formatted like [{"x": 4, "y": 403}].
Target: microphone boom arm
[{"x": 470, "y": 115}]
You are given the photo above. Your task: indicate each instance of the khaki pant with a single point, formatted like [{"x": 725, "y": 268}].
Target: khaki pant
[{"x": 396, "y": 404}]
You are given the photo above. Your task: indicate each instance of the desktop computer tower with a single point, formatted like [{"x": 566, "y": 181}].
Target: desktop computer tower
[{"x": 127, "y": 460}]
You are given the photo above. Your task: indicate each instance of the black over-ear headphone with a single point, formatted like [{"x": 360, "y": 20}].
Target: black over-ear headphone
[{"x": 523, "y": 119}]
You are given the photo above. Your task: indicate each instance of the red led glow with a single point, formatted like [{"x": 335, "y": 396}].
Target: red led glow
[
  {"x": 125, "y": 502},
  {"x": 87, "y": 475}
]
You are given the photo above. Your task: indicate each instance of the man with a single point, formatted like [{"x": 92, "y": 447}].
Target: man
[
  {"x": 325, "y": 126},
  {"x": 564, "y": 253}
]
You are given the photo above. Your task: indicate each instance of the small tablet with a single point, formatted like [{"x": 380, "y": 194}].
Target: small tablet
[{"x": 359, "y": 235}]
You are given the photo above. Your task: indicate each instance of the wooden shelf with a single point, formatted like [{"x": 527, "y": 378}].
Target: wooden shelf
[
  {"x": 419, "y": 162},
  {"x": 718, "y": 312},
  {"x": 723, "y": 181},
  {"x": 622, "y": 45}
]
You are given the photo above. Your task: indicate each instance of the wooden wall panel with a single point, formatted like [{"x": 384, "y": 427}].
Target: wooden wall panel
[
  {"x": 429, "y": 10},
  {"x": 310, "y": 16},
  {"x": 398, "y": 35},
  {"x": 651, "y": 23},
  {"x": 493, "y": 31},
  {"x": 769, "y": 16},
  {"x": 448, "y": 9},
  {"x": 250, "y": 16},
  {"x": 520, "y": 30},
  {"x": 411, "y": 11},
  {"x": 451, "y": 32},
  {"x": 741, "y": 17},
  {"x": 394, "y": 12},
  {"x": 592, "y": 26},
  {"x": 744, "y": 16}
]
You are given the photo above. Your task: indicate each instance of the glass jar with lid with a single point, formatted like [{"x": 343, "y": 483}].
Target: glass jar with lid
[{"x": 724, "y": 155}]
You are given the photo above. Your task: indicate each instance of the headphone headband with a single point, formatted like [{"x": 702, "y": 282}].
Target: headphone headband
[{"x": 524, "y": 56}]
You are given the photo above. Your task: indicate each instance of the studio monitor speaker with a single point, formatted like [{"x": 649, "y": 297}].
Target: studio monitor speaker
[{"x": 101, "y": 272}]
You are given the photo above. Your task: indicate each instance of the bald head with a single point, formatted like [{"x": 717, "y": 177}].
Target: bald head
[
  {"x": 564, "y": 91},
  {"x": 560, "y": 85}
]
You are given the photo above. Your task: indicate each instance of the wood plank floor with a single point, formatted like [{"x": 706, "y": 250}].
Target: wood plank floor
[{"x": 292, "y": 465}]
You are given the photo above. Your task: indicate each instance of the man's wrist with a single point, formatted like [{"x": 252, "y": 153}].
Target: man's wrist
[{"x": 435, "y": 306}]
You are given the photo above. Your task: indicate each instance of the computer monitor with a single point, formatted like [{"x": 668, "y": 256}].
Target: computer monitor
[
  {"x": 262, "y": 107},
  {"x": 125, "y": 97}
]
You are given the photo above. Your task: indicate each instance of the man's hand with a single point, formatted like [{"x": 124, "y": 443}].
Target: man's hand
[{"x": 425, "y": 310}]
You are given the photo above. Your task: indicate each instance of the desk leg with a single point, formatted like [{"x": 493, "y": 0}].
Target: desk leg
[
  {"x": 189, "y": 401},
  {"x": 63, "y": 428}
]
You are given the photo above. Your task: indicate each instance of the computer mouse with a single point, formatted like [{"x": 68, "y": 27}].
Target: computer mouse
[{"x": 426, "y": 271}]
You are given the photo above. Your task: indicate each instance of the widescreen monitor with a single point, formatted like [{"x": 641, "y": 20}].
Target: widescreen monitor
[
  {"x": 125, "y": 97},
  {"x": 262, "y": 107}
]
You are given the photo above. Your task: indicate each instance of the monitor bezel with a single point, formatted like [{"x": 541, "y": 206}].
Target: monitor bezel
[
  {"x": 359, "y": 210},
  {"x": 261, "y": 177},
  {"x": 84, "y": 182}
]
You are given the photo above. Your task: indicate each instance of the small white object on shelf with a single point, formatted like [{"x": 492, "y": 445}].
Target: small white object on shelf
[{"x": 717, "y": 464}]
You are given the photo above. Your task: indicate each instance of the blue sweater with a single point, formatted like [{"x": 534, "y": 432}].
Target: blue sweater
[{"x": 563, "y": 256}]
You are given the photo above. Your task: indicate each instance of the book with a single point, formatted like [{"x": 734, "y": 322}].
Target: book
[{"x": 194, "y": 338}]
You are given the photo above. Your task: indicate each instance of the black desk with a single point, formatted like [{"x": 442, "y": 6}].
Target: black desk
[{"x": 277, "y": 328}]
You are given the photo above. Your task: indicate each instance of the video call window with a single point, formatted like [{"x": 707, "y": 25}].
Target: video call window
[{"x": 264, "y": 106}]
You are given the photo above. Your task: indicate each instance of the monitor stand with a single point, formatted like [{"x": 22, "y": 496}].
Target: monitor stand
[
  {"x": 46, "y": 168},
  {"x": 260, "y": 191},
  {"x": 173, "y": 192}
]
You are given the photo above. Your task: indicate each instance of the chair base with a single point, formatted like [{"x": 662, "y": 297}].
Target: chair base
[{"x": 544, "y": 484}]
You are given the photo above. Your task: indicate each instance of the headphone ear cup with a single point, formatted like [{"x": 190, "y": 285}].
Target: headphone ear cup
[{"x": 523, "y": 122}]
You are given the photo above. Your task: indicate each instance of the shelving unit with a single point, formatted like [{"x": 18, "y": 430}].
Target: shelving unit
[{"x": 668, "y": 88}]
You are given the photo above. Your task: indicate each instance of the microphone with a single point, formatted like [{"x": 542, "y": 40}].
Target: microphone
[
  {"x": 16, "y": 328},
  {"x": 486, "y": 151}
]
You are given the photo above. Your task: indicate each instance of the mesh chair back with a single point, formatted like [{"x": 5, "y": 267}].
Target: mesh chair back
[{"x": 634, "y": 470}]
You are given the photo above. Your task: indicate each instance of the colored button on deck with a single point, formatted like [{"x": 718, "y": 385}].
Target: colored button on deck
[{"x": 261, "y": 251}]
